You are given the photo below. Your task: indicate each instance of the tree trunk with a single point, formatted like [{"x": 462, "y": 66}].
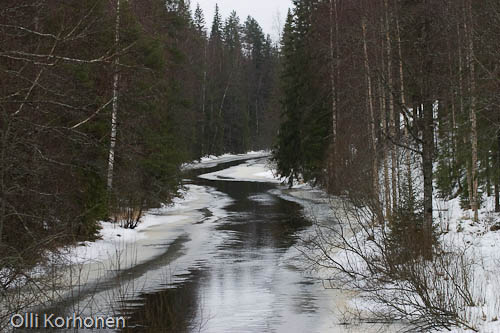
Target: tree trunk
[
  {"x": 462, "y": 111},
  {"x": 3, "y": 167},
  {"x": 453, "y": 127},
  {"x": 427, "y": 160},
  {"x": 403, "y": 105},
  {"x": 259, "y": 86},
  {"x": 497, "y": 174},
  {"x": 497, "y": 196},
  {"x": 220, "y": 120},
  {"x": 203, "y": 100},
  {"x": 392, "y": 121},
  {"x": 376, "y": 190},
  {"x": 332, "y": 181},
  {"x": 383, "y": 120},
  {"x": 116, "y": 78},
  {"x": 473, "y": 116}
]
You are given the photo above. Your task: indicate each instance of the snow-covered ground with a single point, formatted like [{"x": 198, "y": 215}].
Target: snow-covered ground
[
  {"x": 461, "y": 239},
  {"x": 168, "y": 220},
  {"x": 212, "y": 160},
  {"x": 482, "y": 248},
  {"x": 250, "y": 171},
  {"x": 261, "y": 302}
]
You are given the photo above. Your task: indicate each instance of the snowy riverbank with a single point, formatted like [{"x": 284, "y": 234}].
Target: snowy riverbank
[
  {"x": 212, "y": 160},
  {"x": 181, "y": 211}
]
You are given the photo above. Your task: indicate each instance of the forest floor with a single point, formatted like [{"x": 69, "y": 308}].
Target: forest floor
[{"x": 481, "y": 246}]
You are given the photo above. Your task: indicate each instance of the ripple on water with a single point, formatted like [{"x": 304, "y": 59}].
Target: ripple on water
[{"x": 264, "y": 199}]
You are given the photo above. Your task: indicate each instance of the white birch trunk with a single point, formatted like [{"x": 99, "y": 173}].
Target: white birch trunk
[
  {"x": 333, "y": 66},
  {"x": 392, "y": 122},
  {"x": 116, "y": 79},
  {"x": 407, "y": 155},
  {"x": 383, "y": 120}
]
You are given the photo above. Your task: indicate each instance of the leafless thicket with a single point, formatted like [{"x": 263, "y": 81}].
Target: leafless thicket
[{"x": 395, "y": 280}]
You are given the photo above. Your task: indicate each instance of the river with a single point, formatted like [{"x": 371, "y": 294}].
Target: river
[
  {"x": 246, "y": 286},
  {"x": 233, "y": 267}
]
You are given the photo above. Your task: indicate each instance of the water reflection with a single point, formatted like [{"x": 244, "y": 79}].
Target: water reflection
[
  {"x": 171, "y": 310},
  {"x": 246, "y": 286}
]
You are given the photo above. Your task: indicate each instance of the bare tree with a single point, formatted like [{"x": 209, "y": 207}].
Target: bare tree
[
  {"x": 116, "y": 79},
  {"x": 334, "y": 70},
  {"x": 392, "y": 121},
  {"x": 371, "y": 112}
]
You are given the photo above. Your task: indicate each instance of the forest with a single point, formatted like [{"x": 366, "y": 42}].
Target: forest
[
  {"x": 392, "y": 105},
  {"x": 376, "y": 93},
  {"x": 101, "y": 102}
]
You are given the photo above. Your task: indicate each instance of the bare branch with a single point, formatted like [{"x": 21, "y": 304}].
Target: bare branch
[{"x": 93, "y": 115}]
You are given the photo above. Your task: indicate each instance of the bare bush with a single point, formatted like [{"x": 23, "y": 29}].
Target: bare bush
[
  {"x": 128, "y": 217},
  {"x": 397, "y": 283}
]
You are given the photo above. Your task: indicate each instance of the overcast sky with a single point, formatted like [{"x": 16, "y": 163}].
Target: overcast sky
[{"x": 264, "y": 11}]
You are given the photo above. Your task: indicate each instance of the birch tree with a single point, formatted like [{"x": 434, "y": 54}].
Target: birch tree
[
  {"x": 392, "y": 121},
  {"x": 334, "y": 71},
  {"x": 114, "y": 114}
]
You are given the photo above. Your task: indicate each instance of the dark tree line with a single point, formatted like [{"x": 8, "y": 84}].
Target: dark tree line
[
  {"x": 102, "y": 101},
  {"x": 381, "y": 94}
]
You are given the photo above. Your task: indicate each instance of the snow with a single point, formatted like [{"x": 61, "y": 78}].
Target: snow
[
  {"x": 457, "y": 231},
  {"x": 114, "y": 238},
  {"x": 263, "y": 199},
  {"x": 249, "y": 171},
  {"x": 119, "y": 249},
  {"x": 190, "y": 217},
  {"x": 481, "y": 248},
  {"x": 459, "y": 234},
  {"x": 158, "y": 228},
  {"x": 212, "y": 160}
]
